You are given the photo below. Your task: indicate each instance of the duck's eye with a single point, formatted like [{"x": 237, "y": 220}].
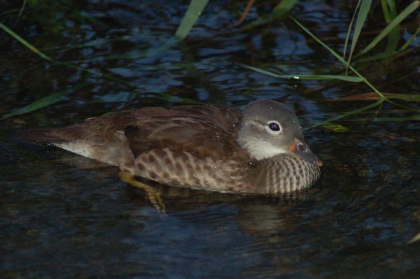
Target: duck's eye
[{"x": 274, "y": 127}]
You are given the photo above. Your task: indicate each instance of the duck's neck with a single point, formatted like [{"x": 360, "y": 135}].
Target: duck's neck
[{"x": 283, "y": 173}]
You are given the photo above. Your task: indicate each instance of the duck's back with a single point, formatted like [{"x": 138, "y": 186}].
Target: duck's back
[{"x": 119, "y": 138}]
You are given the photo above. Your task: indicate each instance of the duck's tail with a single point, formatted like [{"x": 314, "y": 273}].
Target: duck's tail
[{"x": 36, "y": 136}]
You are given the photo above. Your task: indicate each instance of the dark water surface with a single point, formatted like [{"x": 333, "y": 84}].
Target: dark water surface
[{"x": 63, "y": 216}]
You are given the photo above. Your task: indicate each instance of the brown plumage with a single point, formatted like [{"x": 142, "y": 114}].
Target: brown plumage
[{"x": 206, "y": 147}]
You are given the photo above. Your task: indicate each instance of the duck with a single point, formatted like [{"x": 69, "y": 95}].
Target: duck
[{"x": 260, "y": 150}]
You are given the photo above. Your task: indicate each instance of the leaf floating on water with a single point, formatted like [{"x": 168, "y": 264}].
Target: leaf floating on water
[{"x": 335, "y": 127}]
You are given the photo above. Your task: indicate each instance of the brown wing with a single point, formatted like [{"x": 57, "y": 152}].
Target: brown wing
[{"x": 202, "y": 130}]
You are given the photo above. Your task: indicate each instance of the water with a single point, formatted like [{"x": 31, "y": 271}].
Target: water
[{"x": 66, "y": 216}]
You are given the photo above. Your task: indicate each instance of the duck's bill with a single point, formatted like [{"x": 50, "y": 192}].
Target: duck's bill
[{"x": 300, "y": 149}]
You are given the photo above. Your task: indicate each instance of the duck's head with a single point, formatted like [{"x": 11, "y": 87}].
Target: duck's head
[{"x": 270, "y": 128}]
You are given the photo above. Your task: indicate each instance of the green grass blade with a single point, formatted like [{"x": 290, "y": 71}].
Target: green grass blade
[
  {"x": 284, "y": 7},
  {"x": 415, "y": 117},
  {"x": 349, "y": 29},
  {"x": 46, "y": 101},
  {"x": 382, "y": 97},
  {"x": 393, "y": 24},
  {"x": 389, "y": 14},
  {"x": 409, "y": 41},
  {"x": 341, "y": 59},
  {"x": 380, "y": 56},
  {"x": 46, "y": 57},
  {"x": 193, "y": 13},
  {"x": 414, "y": 239},
  {"x": 22, "y": 8},
  {"x": 385, "y": 11},
  {"x": 361, "y": 18},
  {"x": 24, "y": 42},
  {"x": 304, "y": 77},
  {"x": 336, "y": 55},
  {"x": 377, "y": 103}
]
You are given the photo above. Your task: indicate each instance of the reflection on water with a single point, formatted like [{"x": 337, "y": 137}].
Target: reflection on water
[{"x": 66, "y": 216}]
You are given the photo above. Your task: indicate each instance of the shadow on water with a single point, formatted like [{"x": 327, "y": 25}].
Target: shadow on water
[{"x": 66, "y": 216}]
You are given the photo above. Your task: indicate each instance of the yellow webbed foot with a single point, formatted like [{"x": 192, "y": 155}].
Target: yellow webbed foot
[{"x": 152, "y": 193}]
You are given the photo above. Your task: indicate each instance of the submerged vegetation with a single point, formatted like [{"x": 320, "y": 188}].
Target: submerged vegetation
[{"x": 387, "y": 46}]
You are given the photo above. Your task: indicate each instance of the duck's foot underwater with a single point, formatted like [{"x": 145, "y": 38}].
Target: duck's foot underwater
[{"x": 152, "y": 193}]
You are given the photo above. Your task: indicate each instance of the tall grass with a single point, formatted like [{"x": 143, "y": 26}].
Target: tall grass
[{"x": 349, "y": 58}]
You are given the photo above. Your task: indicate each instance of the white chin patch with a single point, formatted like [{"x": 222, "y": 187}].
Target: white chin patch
[
  {"x": 260, "y": 150},
  {"x": 74, "y": 147}
]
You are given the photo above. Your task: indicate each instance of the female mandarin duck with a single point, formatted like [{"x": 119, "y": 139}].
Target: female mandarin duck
[{"x": 215, "y": 148}]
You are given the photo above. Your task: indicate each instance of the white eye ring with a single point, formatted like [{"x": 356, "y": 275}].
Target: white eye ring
[{"x": 274, "y": 127}]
